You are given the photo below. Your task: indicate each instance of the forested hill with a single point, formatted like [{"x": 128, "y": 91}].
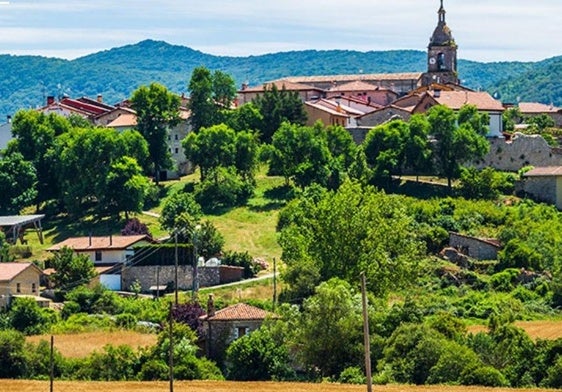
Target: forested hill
[{"x": 25, "y": 81}]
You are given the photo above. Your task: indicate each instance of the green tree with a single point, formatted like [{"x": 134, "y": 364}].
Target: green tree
[
  {"x": 201, "y": 101},
  {"x": 18, "y": 182},
  {"x": 417, "y": 151},
  {"x": 157, "y": 110},
  {"x": 384, "y": 148},
  {"x": 4, "y": 249},
  {"x": 300, "y": 154},
  {"x": 34, "y": 137},
  {"x": 13, "y": 363},
  {"x": 176, "y": 205},
  {"x": 126, "y": 188},
  {"x": 330, "y": 335},
  {"x": 456, "y": 143},
  {"x": 244, "y": 118},
  {"x": 258, "y": 357},
  {"x": 278, "y": 106},
  {"x": 343, "y": 233},
  {"x": 224, "y": 89},
  {"x": 71, "y": 270}
]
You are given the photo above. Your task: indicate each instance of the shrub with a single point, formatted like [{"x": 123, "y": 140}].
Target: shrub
[
  {"x": 242, "y": 259},
  {"x": 135, "y": 227},
  {"x": 505, "y": 280},
  {"x": 225, "y": 190},
  {"x": 486, "y": 376},
  {"x": 12, "y": 354},
  {"x": 126, "y": 320},
  {"x": 352, "y": 375}
]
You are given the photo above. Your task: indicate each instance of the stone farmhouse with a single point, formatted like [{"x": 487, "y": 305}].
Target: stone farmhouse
[{"x": 19, "y": 279}]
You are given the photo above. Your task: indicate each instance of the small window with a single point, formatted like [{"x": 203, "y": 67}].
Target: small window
[
  {"x": 176, "y": 136},
  {"x": 33, "y": 288},
  {"x": 241, "y": 331},
  {"x": 98, "y": 255},
  {"x": 176, "y": 150},
  {"x": 18, "y": 287}
]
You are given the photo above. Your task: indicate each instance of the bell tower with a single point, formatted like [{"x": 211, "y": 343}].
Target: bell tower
[{"x": 441, "y": 54}]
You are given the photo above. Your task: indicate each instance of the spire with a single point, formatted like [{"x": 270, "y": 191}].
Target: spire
[
  {"x": 442, "y": 34},
  {"x": 442, "y": 14}
]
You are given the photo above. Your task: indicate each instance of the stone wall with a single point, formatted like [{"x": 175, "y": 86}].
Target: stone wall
[
  {"x": 154, "y": 275},
  {"x": 541, "y": 189},
  {"x": 479, "y": 249},
  {"x": 522, "y": 150}
]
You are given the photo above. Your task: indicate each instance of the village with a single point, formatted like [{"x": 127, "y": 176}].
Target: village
[{"x": 134, "y": 264}]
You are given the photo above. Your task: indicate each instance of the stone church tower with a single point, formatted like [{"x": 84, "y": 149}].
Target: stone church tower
[{"x": 441, "y": 54}]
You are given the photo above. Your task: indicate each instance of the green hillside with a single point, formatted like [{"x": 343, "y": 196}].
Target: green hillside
[{"x": 26, "y": 81}]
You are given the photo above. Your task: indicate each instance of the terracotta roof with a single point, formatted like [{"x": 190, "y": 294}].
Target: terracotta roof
[
  {"x": 351, "y": 78},
  {"x": 239, "y": 311},
  {"x": 546, "y": 171},
  {"x": 92, "y": 109},
  {"x": 9, "y": 271},
  {"x": 356, "y": 85},
  {"x": 100, "y": 243},
  {"x": 457, "y": 99},
  {"x": 124, "y": 120},
  {"x": 280, "y": 84},
  {"x": 537, "y": 108},
  {"x": 327, "y": 109}
]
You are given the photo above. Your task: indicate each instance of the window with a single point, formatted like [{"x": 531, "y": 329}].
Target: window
[
  {"x": 176, "y": 136},
  {"x": 98, "y": 255},
  {"x": 241, "y": 331},
  {"x": 176, "y": 150},
  {"x": 33, "y": 288},
  {"x": 18, "y": 287}
]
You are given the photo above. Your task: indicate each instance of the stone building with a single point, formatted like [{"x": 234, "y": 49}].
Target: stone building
[
  {"x": 477, "y": 248},
  {"x": 222, "y": 327}
]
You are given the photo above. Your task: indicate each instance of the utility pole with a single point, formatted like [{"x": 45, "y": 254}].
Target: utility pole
[
  {"x": 366, "y": 334},
  {"x": 52, "y": 364},
  {"x": 176, "y": 267},
  {"x": 274, "y": 283},
  {"x": 171, "y": 349}
]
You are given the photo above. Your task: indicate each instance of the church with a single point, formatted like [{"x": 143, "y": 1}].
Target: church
[{"x": 361, "y": 101}]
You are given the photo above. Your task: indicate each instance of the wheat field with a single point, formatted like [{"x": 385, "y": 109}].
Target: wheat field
[
  {"x": 547, "y": 329},
  {"x": 216, "y": 386}
]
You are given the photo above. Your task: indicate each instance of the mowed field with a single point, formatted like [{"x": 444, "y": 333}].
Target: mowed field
[
  {"x": 222, "y": 386},
  {"x": 80, "y": 345},
  {"x": 548, "y": 329}
]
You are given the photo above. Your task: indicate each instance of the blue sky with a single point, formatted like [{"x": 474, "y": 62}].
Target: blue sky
[{"x": 485, "y": 30}]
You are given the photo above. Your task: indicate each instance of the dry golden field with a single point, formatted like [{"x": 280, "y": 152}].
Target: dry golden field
[
  {"x": 81, "y": 345},
  {"x": 549, "y": 329},
  {"x": 214, "y": 386}
]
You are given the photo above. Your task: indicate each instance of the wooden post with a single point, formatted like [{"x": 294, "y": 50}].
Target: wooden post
[
  {"x": 274, "y": 283},
  {"x": 171, "y": 349},
  {"x": 176, "y": 268},
  {"x": 52, "y": 364},
  {"x": 366, "y": 334}
]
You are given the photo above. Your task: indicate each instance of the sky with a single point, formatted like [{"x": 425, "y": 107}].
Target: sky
[{"x": 485, "y": 30}]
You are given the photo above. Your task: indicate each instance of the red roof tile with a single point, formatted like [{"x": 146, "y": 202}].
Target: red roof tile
[
  {"x": 9, "y": 271},
  {"x": 537, "y": 108},
  {"x": 546, "y": 171},
  {"x": 239, "y": 311},
  {"x": 457, "y": 99},
  {"x": 124, "y": 120},
  {"x": 100, "y": 243}
]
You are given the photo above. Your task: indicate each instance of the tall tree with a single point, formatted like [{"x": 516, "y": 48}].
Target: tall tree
[
  {"x": 71, "y": 270},
  {"x": 34, "y": 137},
  {"x": 224, "y": 89},
  {"x": 460, "y": 139},
  {"x": 343, "y": 233},
  {"x": 18, "y": 184},
  {"x": 157, "y": 110},
  {"x": 384, "y": 149},
  {"x": 201, "y": 100},
  {"x": 279, "y": 106},
  {"x": 417, "y": 151}
]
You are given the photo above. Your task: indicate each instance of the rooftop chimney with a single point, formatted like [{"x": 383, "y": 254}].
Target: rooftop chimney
[
  {"x": 50, "y": 100},
  {"x": 100, "y": 98},
  {"x": 9, "y": 119},
  {"x": 90, "y": 239},
  {"x": 110, "y": 239}
]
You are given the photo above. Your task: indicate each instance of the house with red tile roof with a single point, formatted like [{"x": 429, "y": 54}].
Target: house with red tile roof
[
  {"x": 361, "y": 90},
  {"x": 110, "y": 250},
  {"x": 532, "y": 109},
  {"x": 305, "y": 92},
  {"x": 18, "y": 279},
  {"x": 222, "y": 327}
]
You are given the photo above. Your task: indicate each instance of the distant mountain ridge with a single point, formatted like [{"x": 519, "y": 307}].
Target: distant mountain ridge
[{"x": 26, "y": 81}]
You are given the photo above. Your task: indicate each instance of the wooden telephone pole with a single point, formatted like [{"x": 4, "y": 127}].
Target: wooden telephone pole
[{"x": 366, "y": 334}]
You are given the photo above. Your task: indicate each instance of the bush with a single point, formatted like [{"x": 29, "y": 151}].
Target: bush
[
  {"x": 225, "y": 190},
  {"x": 352, "y": 375},
  {"x": 505, "y": 280},
  {"x": 486, "y": 376},
  {"x": 12, "y": 354},
  {"x": 126, "y": 320}
]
